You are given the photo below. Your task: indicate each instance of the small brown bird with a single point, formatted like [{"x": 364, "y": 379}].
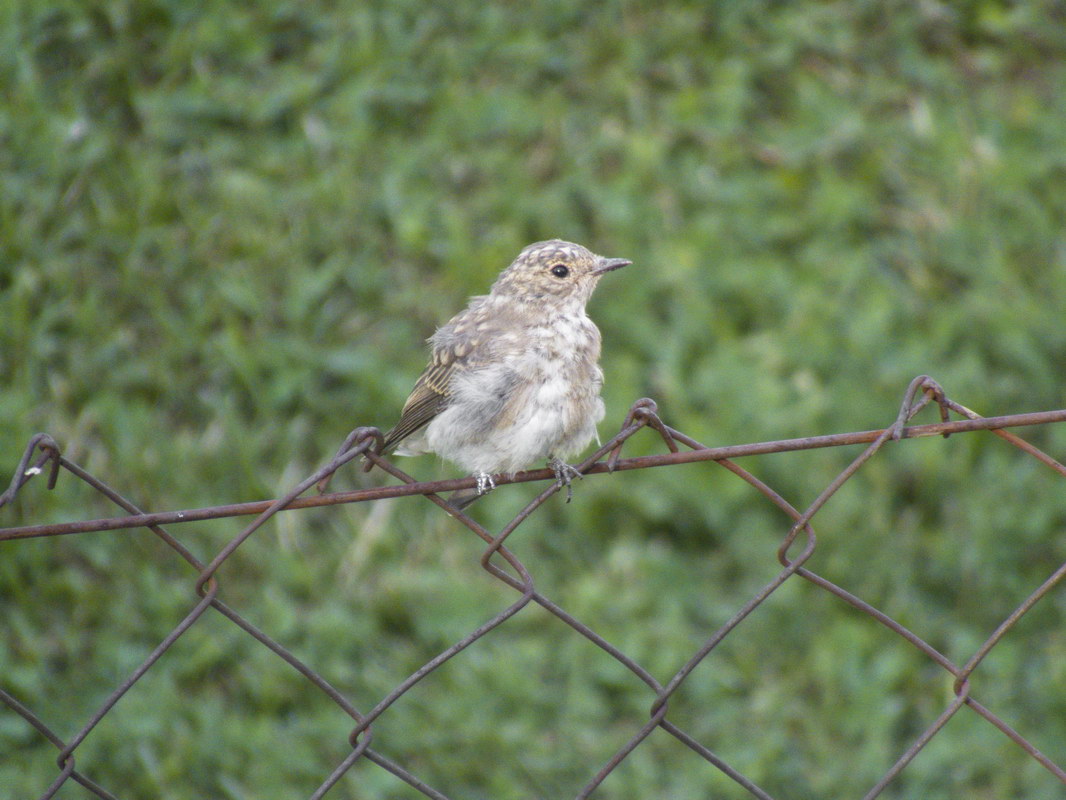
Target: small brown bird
[{"x": 514, "y": 378}]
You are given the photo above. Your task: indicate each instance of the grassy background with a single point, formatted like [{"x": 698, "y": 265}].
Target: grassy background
[{"x": 225, "y": 230}]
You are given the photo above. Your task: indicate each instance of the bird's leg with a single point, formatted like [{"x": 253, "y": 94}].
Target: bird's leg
[
  {"x": 485, "y": 483},
  {"x": 564, "y": 473}
]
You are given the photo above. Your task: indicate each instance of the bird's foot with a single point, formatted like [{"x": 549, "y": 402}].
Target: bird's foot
[
  {"x": 564, "y": 473},
  {"x": 461, "y": 498},
  {"x": 485, "y": 483}
]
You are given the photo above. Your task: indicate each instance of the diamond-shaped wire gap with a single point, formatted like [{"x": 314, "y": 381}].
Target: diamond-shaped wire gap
[
  {"x": 564, "y": 668},
  {"x": 220, "y": 692},
  {"x": 519, "y": 579},
  {"x": 524, "y": 665},
  {"x": 330, "y": 692},
  {"x": 659, "y": 707},
  {"x": 86, "y": 482},
  {"x": 335, "y": 696},
  {"x": 93, "y": 598},
  {"x": 826, "y": 512},
  {"x": 779, "y": 715},
  {"x": 835, "y": 483},
  {"x": 105, "y": 709},
  {"x": 980, "y": 592},
  {"x": 580, "y": 537},
  {"x": 369, "y": 631},
  {"x": 417, "y": 677},
  {"x": 542, "y": 601},
  {"x": 902, "y": 548},
  {"x": 1051, "y": 463}
]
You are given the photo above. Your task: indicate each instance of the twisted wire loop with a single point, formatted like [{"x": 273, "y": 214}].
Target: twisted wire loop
[
  {"x": 793, "y": 553},
  {"x": 24, "y": 472}
]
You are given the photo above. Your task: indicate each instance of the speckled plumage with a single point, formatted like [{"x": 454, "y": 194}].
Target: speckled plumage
[{"x": 514, "y": 378}]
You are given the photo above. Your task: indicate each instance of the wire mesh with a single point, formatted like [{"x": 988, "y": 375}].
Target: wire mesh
[{"x": 794, "y": 552}]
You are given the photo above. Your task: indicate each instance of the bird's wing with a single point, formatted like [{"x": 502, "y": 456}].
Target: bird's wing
[
  {"x": 465, "y": 343},
  {"x": 429, "y": 397}
]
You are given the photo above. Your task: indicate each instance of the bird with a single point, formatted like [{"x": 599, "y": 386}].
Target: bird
[{"x": 514, "y": 378}]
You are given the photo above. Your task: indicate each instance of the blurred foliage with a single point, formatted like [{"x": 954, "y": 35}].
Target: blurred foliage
[{"x": 225, "y": 230}]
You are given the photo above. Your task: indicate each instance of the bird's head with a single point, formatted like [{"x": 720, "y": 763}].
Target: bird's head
[{"x": 555, "y": 273}]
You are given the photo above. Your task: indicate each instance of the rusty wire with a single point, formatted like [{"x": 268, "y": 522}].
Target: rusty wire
[{"x": 504, "y": 565}]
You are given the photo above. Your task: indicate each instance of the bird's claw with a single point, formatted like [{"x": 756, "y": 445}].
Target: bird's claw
[
  {"x": 564, "y": 473},
  {"x": 485, "y": 483}
]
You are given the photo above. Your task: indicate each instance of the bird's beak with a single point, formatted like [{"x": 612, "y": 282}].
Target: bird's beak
[{"x": 607, "y": 264}]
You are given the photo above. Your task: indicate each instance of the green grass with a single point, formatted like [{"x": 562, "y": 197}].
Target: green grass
[{"x": 226, "y": 229}]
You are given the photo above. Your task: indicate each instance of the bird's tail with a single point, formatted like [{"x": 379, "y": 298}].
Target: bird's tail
[{"x": 461, "y": 498}]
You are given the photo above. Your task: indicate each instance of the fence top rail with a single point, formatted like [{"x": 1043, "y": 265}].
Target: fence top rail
[{"x": 433, "y": 487}]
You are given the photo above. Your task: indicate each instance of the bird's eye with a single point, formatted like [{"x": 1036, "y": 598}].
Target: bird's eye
[{"x": 560, "y": 271}]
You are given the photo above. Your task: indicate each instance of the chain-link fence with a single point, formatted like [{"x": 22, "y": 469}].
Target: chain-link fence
[{"x": 796, "y": 548}]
